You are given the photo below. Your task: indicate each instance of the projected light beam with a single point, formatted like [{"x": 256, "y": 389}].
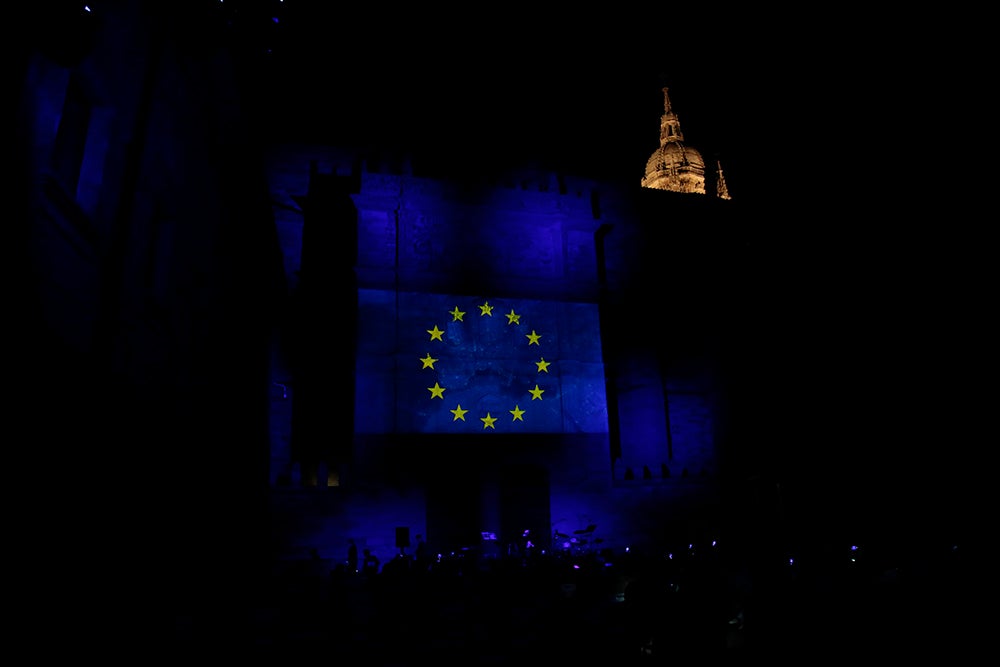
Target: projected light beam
[
  {"x": 486, "y": 370},
  {"x": 463, "y": 364}
]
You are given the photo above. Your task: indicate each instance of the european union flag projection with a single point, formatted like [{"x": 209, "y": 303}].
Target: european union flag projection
[{"x": 433, "y": 363}]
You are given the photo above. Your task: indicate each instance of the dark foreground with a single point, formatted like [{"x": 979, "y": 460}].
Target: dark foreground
[{"x": 567, "y": 609}]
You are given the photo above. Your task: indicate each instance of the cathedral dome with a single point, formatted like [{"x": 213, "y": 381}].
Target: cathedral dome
[
  {"x": 677, "y": 165},
  {"x": 674, "y": 165}
]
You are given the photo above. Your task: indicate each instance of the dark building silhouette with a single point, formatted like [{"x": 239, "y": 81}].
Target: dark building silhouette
[
  {"x": 147, "y": 279},
  {"x": 198, "y": 291}
]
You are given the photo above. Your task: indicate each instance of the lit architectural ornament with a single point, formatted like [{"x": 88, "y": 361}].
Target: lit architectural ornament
[
  {"x": 675, "y": 166},
  {"x": 721, "y": 191}
]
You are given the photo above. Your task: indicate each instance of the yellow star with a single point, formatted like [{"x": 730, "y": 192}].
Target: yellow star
[
  {"x": 436, "y": 333},
  {"x": 486, "y": 309},
  {"x": 536, "y": 393},
  {"x": 517, "y": 412},
  {"x": 456, "y": 315},
  {"x": 488, "y": 422},
  {"x": 543, "y": 366},
  {"x": 438, "y": 391},
  {"x": 533, "y": 338},
  {"x": 513, "y": 318},
  {"x": 459, "y": 413},
  {"x": 428, "y": 361}
]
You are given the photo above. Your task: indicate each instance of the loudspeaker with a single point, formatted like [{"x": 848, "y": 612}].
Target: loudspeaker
[{"x": 402, "y": 537}]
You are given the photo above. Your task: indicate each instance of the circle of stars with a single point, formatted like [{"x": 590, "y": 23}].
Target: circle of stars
[{"x": 437, "y": 391}]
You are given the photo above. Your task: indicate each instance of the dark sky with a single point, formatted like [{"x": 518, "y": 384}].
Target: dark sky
[
  {"x": 574, "y": 91},
  {"x": 805, "y": 108},
  {"x": 856, "y": 111}
]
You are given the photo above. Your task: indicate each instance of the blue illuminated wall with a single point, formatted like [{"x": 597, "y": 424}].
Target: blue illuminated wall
[
  {"x": 536, "y": 245},
  {"x": 486, "y": 291},
  {"x": 512, "y": 338}
]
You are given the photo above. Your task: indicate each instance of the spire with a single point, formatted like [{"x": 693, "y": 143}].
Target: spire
[
  {"x": 670, "y": 124},
  {"x": 721, "y": 191}
]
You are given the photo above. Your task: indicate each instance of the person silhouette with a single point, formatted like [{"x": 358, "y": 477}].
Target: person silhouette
[
  {"x": 352, "y": 557},
  {"x": 421, "y": 556},
  {"x": 369, "y": 565}
]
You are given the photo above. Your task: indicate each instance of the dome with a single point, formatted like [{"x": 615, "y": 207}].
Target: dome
[
  {"x": 675, "y": 158},
  {"x": 674, "y": 165}
]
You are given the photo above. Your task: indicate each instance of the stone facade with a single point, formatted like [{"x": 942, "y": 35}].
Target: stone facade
[{"x": 541, "y": 236}]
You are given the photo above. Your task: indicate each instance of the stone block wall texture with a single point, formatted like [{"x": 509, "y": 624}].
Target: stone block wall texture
[{"x": 527, "y": 239}]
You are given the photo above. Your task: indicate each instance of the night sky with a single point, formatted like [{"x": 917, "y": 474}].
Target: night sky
[{"x": 576, "y": 91}]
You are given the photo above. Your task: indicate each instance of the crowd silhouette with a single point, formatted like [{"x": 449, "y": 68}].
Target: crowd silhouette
[{"x": 624, "y": 607}]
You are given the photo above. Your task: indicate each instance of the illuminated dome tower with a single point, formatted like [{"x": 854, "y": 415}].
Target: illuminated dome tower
[{"x": 674, "y": 166}]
